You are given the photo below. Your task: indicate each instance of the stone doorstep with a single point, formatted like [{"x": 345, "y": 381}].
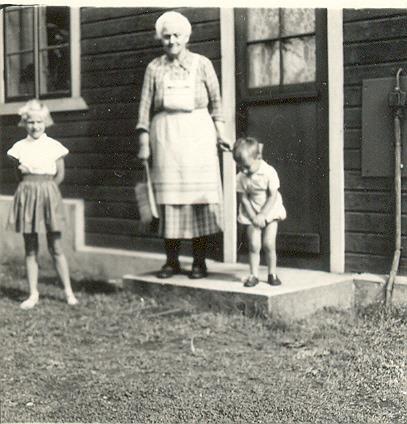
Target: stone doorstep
[
  {"x": 369, "y": 289},
  {"x": 302, "y": 292}
]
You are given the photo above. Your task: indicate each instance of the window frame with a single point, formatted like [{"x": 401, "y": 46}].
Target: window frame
[
  {"x": 57, "y": 104},
  {"x": 278, "y": 93}
]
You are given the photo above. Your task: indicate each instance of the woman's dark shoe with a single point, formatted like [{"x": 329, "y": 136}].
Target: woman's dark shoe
[
  {"x": 168, "y": 270},
  {"x": 273, "y": 281},
  {"x": 198, "y": 271},
  {"x": 251, "y": 281}
]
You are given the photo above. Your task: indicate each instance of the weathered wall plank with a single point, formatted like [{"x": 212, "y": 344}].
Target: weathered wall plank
[{"x": 375, "y": 46}]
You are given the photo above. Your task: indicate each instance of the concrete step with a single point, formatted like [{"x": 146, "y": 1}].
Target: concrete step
[{"x": 302, "y": 293}]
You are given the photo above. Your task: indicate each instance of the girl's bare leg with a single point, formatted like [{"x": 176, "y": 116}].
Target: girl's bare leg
[
  {"x": 61, "y": 265},
  {"x": 31, "y": 264}
]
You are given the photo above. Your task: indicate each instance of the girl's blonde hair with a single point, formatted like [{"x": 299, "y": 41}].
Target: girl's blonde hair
[{"x": 36, "y": 106}]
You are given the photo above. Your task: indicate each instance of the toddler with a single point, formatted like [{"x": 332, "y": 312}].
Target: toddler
[{"x": 261, "y": 207}]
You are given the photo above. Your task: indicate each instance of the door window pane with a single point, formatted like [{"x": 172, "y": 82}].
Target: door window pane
[
  {"x": 288, "y": 59},
  {"x": 264, "y": 64},
  {"x": 299, "y": 60},
  {"x": 262, "y": 24},
  {"x": 297, "y": 21}
]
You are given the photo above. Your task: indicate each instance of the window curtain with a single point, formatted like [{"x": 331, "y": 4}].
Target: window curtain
[
  {"x": 43, "y": 44},
  {"x": 19, "y": 37}
]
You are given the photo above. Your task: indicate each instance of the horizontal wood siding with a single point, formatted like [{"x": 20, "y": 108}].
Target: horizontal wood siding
[
  {"x": 116, "y": 46},
  {"x": 375, "y": 45}
]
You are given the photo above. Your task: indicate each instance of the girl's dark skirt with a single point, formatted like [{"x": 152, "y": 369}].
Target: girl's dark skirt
[{"x": 37, "y": 206}]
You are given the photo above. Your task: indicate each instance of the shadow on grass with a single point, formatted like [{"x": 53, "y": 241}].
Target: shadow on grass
[
  {"x": 212, "y": 275},
  {"x": 18, "y": 295},
  {"x": 13, "y": 293},
  {"x": 84, "y": 285}
]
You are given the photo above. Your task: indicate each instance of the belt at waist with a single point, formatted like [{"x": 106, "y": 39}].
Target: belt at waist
[
  {"x": 38, "y": 177},
  {"x": 162, "y": 110}
]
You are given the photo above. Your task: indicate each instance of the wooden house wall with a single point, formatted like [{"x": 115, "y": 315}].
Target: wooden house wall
[
  {"x": 375, "y": 45},
  {"x": 116, "y": 46}
]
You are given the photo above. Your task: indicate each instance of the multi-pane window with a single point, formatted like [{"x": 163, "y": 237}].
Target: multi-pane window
[
  {"x": 280, "y": 46},
  {"x": 37, "y": 59}
]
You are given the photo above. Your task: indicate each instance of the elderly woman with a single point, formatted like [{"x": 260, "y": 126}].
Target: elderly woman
[{"x": 175, "y": 123}]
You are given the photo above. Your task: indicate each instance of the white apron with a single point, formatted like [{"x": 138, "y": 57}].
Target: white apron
[{"x": 185, "y": 158}]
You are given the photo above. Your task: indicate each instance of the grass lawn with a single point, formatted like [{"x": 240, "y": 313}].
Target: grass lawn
[{"x": 119, "y": 358}]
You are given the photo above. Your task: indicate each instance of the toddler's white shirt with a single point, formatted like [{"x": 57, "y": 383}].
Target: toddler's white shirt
[
  {"x": 257, "y": 187},
  {"x": 39, "y": 156}
]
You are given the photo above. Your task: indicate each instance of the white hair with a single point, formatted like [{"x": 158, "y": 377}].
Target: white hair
[
  {"x": 35, "y": 106},
  {"x": 176, "y": 18}
]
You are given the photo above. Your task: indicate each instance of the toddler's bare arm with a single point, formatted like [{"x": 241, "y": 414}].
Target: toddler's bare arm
[
  {"x": 247, "y": 206},
  {"x": 270, "y": 202}
]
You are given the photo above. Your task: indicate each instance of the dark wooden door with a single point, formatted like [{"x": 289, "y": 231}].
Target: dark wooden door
[{"x": 282, "y": 99}]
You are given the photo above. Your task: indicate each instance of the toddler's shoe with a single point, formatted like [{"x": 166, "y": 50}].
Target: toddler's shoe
[
  {"x": 251, "y": 281},
  {"x": 273, "y": 281}
]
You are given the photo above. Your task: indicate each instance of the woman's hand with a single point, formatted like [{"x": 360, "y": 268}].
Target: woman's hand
[
  {"x": 144, "y": 146},
  {"x": 222, "y": 141},
  {"x": 224, "y": 145}
]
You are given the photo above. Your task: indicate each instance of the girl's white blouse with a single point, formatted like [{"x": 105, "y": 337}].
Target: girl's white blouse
[{"x": 39, "y": 156}]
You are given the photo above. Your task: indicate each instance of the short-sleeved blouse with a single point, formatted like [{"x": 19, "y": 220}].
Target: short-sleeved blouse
[
  {"x": 207, "y": 91},
  {"x": 39, "y": 156},
  {"x": 257, "y": 187}
]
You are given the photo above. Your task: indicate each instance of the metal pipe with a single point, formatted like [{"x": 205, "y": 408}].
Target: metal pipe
[{"x": 397, "y": 190}]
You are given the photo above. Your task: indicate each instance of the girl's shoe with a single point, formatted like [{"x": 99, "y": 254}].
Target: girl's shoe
[
  {"x": 30, "y": 302},
  {"x": 71, "y": 299},
  {"x": 273, "y": 281},
  {"x": 251, "y": 281}
]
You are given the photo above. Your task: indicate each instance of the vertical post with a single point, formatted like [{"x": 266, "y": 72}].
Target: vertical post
[
  {"x": 227, "y": 25},
  {"x": 75, "y": 40},
  {"x": 336, "y": 143},
  {"x": 397, "y": 210},
  {"x": 37, "y": 62}
]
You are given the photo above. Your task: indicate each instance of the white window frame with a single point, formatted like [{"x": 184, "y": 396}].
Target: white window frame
[
  {"x": 75, "y": 102},
  {"x": 227, "y": 25}
]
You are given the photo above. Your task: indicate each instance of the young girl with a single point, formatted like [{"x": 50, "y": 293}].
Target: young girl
[
  {"x": 37, "y": 202},
  {"x": 261, "y": 207}
]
